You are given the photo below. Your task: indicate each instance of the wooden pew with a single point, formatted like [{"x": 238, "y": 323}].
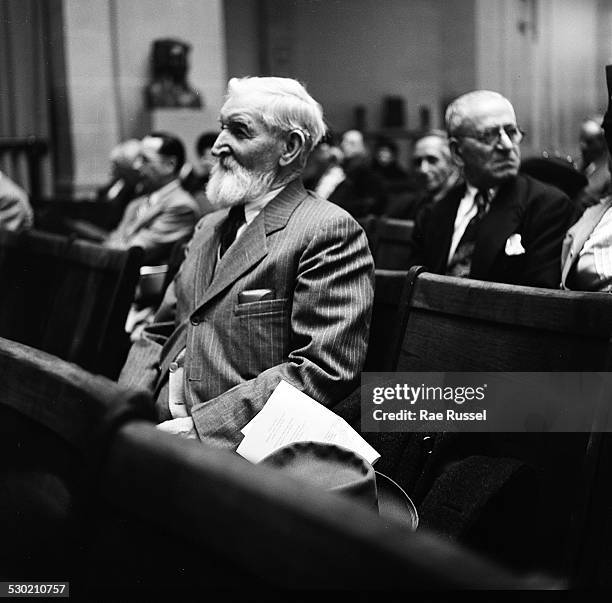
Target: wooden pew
[
  {"x": 150, "y": 513},
  {"x": 388, "y": 316},
  {"x": 469, "y": 325},
  {"x": 391, "y": 251},
  {"x": 70, "y": 298}
]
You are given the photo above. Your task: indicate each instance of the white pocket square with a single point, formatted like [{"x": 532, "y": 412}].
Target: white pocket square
[{"x": 514, "y": 245}]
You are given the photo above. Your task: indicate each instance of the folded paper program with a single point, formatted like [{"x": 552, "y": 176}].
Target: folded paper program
[{"x": 290, "y": 416}]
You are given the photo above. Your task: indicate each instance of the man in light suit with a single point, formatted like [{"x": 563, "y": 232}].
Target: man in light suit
[
  {"x": 276, "y": 284},
  {"x": 15, "y": 210},
  {"x": 164, "y": 213},
  {"x": 500, "y": 225},
  {"x": 586, "y": 257},
  {"x": 594, "y": 161}
]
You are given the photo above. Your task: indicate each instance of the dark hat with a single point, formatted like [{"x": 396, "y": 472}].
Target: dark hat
[{"x": 340, "y": 470}]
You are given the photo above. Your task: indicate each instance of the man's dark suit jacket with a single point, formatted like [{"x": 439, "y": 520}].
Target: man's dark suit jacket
[
  {"x": 310, "y": 329},
  {"x": 539, "y": 213}
]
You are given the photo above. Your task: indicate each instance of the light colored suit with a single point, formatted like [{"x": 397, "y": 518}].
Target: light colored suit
[
  {"x": 156, "y": 226},
  {"x": 15, "y": 210},
  {"x": 311, "y": 329},
  {"x": 578, "y": 235}
]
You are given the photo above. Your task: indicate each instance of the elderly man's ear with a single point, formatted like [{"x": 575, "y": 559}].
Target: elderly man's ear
[
  {"x": 293, "y": 148},
  {"x": 455, "y": 150}
]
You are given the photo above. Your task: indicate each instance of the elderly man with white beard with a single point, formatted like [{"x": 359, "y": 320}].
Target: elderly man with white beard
[{"x": 277, "y": 284}]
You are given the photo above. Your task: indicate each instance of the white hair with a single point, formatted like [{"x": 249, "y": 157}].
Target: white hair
[
  {"x": 126, "y": 152},
  {"x": 285, "y": 106},
  {"x": 459, "y": 110}
]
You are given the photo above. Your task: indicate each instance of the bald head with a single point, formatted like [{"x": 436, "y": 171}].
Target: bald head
[
  {"x": 466, "y": 110},
  {"x": 484, "y": 138},
  {"x": 123, "y": 158},
  {"x": 125, "y": 153}
]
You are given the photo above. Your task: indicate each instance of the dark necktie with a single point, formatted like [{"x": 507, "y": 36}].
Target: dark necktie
[
  {"x": 235, "y": 219},
  {"x": 461, "y": 262}
]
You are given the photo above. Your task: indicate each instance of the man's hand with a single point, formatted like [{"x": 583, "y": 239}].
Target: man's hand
[{"x": 182, "y": 426}]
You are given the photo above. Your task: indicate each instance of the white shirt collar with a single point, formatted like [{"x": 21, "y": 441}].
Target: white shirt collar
[
  {"x": 465, "y": 212},
  {"x": 252, "y": 208},
  {"x": 472, "y": 190}
]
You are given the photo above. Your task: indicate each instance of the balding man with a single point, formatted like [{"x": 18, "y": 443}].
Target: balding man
[
  {"x": 499, "y": 225},
  {"x": 276, "y": 285}
]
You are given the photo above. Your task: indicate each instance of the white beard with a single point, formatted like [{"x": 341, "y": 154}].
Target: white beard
[{"x": 231, "y": 184}]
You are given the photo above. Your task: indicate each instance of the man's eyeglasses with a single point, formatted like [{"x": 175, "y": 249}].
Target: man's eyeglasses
[{"x": 492, "y": 136}]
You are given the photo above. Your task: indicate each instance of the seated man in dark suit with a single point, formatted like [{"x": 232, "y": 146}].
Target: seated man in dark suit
[
  {"x": 164, "y": 213},
  {"x": 276, "y": 284},
  {"x": 500, "y": 225}
]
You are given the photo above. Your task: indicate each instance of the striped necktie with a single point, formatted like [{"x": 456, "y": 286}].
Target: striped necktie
[{"x": 461, "y": 262}]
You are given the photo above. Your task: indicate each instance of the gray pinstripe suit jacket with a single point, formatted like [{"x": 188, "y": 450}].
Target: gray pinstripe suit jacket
[{"x": 313, "y": 332}]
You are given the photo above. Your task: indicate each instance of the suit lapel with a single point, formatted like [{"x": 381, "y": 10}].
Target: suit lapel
[
  {"x": 252, "y": 246},
  {"x": 207, "y": 256},
  {"x": 150, "y": 212},
  {"x": 502, "y": 220}
]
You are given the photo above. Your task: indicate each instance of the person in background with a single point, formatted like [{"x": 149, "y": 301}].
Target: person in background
[
  {"x": 15, "y": 209},
  {"x": 276, "y": 285},
  {"x": 594, "y": 161},
  {"x": 386, "y": 165},
  {"x": 434, "y": 174},
  {"x": 586, "y": 258},
  {"x": 164, "y": 213},
  {"x": 368, "y": 186},
  {"x": 195, "y": 177},
  {"x": 324, "y": 175},
  {"x": 433, "y": 166},
  {"x": 499, "y": 225},
  {"x": 125, "y": 182}
]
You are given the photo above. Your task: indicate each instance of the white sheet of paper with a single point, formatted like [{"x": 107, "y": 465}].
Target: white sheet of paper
[{"x": 290, "y": 416}]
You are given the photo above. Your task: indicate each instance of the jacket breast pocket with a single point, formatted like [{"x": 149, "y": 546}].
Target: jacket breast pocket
[
  {"x": 264, "y": 328},
  {"x": 260, "y": 308}
]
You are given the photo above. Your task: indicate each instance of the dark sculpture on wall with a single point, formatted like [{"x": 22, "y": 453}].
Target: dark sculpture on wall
[{"x": 169, "y": 87}]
